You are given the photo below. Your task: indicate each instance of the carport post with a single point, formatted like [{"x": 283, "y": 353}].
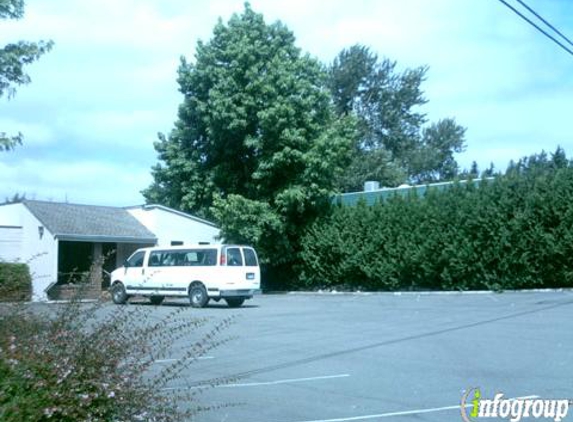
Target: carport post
[{"x": 96, "y": 267}]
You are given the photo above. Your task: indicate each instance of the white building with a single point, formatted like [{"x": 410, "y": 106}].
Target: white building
[{"x": 61, "y": 240}]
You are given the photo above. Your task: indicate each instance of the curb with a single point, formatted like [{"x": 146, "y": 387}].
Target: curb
[{"x": 420, "y": 293}]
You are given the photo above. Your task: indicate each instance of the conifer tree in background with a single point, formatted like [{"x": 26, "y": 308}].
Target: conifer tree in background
[{"x": 394, "y": 144}]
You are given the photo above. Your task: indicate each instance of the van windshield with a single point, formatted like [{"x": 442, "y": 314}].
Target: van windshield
[{"x": 183, "y": 258}]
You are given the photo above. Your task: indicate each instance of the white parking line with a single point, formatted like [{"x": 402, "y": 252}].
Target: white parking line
[
  {"x": 174, "y": 360},
  {"x": 402, "y": 413},
  {"x": 387, "y": 415},
  {"x": 285, "y": 381},
  {"x": 256, "y": 384}
]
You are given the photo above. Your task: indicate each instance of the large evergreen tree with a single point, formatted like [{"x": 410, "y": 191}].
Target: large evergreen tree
[
  {"x": 257, "y": 145},
  {"x": 394, "y": 145}
]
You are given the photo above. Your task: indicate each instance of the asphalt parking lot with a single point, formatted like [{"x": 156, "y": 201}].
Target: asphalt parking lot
[{"x": 404, "y": 357}]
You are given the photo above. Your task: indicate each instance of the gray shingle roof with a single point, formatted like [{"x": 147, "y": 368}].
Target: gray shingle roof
[{"x": 89, "y": 222}]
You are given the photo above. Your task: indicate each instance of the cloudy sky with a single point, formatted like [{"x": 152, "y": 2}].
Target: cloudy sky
[{"x": 98, "y": 99}]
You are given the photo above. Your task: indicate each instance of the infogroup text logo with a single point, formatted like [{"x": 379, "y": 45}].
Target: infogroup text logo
[{"x": 475, "y": 407}]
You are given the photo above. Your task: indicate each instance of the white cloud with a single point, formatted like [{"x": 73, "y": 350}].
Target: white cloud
[
  {"x": 113, "y": 128},
  {"x": 82, "y": 181},
  {"x": 135, "y": 24}
]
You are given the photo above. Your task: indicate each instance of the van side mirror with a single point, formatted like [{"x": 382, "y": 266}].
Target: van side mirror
[{"x": 126, "y": 263}]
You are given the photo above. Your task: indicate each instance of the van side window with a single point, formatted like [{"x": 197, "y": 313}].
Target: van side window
[
  {"x": 183, "y": 258},
  {"x": 155, "y": 259},
  {"x": 234, "y": 257},
  {"x": 209, "y": 257},
  {"x": 169, "y": 259},
  {"x": 137, "y": 259},
  {"x": 191, "y": 258},
  {"x": 250, "y": 257}
]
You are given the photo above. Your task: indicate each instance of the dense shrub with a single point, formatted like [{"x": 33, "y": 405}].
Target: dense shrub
[
  {"x": 15, "y": 282},
  {"x": 515, "y": 231},
  {"x": 97, "y": 363}
]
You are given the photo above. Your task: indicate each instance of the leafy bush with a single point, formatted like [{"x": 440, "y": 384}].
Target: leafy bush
[
  {"x": 513, "y": 232},
  {"x": 96, "y": 363},
  {"x": 15, "y": 282}
]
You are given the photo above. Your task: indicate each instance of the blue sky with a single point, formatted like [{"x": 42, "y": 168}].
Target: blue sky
[{"x": 98, "y": 99}]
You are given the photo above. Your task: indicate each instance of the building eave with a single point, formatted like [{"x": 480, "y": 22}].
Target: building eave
[{"x": 104, "y": 239}]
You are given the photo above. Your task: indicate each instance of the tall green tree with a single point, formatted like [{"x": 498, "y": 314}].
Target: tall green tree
[
  {"x": 394, "y": 143},
  {"x": 14, "y": 57},
  {"x": 257, "y": 145}
]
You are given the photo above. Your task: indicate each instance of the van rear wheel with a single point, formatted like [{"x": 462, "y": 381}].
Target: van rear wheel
[
  {"x": 198, "y": 295},
  {"x": 235, "y": 302}
]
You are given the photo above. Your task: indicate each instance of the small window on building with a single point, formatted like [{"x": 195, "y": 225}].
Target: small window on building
[{"x": 176, "y": 243}]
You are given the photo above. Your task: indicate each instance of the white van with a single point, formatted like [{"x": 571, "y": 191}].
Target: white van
[{"x": 200, "y": 272}]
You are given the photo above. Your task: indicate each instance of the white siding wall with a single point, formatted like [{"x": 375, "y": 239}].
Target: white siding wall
[
  {"x": 41, "y": 255},
  {"x": 11, "y": 215},
  {"x": 10, "y": 243},
  {"x": 169, "y": 226},
  {"x": 11, "y": 232}
]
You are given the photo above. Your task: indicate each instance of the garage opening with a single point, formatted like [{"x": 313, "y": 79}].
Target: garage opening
[{"x": 80, "y": 261}]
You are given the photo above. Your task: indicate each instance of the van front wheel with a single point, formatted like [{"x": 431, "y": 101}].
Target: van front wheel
[
  {"x": 118, "y": 294},
  {"x": 234, "y": 302},
  {"x": 198, "y": 295}
]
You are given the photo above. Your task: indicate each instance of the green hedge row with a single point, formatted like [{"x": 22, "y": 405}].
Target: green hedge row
[
  {"x": 15, "y": 282},
  {"x": 512, "y": 232}
]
